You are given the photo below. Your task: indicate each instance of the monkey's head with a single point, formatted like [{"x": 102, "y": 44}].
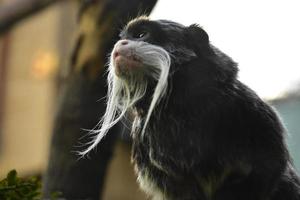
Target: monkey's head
[
  {"x": 144, "y": 44},
  {"x": 142, "y": 61}
]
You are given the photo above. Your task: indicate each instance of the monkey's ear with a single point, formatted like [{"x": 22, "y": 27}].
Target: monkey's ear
[{"x": 196, "y": 36}]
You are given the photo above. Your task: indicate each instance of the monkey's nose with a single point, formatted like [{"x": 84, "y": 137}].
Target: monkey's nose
[
  {"x": 124, "y": 42},
  {"x": 122, "y": 48}
]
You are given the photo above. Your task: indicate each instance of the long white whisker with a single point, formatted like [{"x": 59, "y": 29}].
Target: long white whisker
[
  {"x": 161, "y": 86},
  {"x": 124, "y": 94}
]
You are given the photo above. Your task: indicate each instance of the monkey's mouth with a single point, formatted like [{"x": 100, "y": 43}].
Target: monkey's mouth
[{"x": 126, "y": 64}]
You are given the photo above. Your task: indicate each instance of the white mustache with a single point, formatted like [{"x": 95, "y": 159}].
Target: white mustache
[{"x": 124, "y": 93}]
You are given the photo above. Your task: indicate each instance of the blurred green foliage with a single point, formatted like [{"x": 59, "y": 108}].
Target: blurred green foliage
[{"x": 16, "y": 188}]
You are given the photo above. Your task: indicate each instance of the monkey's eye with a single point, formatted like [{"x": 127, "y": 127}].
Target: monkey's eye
[{"x": 141, "y": 35}]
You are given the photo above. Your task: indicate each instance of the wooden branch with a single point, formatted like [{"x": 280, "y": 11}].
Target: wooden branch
[{"x": 15, "y": 11}]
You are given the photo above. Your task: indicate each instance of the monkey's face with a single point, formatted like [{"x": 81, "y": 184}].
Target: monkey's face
[{"x": 141, "y": 63}]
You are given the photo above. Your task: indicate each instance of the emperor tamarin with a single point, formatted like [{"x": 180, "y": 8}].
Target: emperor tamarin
[{"x": 198, "y": 132}]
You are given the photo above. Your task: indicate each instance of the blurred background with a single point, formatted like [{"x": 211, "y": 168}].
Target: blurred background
[{"x": 262, "y": 36}]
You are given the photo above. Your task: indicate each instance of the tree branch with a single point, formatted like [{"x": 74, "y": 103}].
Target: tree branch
[{"x": 15, "y": 11}]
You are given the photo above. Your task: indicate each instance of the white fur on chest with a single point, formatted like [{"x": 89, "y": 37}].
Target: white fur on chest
[{"x": 148, "y": 185}]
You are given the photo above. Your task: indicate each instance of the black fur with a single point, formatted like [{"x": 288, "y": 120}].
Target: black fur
[{"x": 211, "y": 138}]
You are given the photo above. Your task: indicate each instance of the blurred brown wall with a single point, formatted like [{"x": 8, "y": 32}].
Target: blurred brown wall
[{"x": 37, "y": 47}]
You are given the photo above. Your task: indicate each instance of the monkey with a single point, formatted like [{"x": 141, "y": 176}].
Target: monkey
[{"x": 198, "y": 132}]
